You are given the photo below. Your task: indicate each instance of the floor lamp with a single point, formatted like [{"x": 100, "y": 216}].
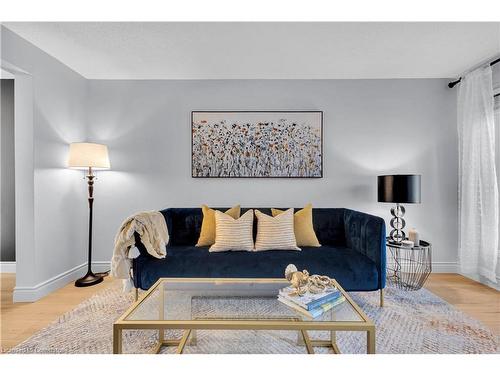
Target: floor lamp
[{"x": 89, "y": 157}]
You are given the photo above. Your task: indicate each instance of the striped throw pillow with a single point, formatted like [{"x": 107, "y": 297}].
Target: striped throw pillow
[
  {"x": 233, "y": 234},
  {"x": 275, "y": 233},
  {"x": 207, "y": 233}
]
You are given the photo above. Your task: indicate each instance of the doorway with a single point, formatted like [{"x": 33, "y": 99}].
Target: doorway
[{"x": 7, "y": 173}]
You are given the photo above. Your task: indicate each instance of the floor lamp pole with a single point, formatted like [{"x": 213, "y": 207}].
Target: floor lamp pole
[{"x": 90, "y": 278}]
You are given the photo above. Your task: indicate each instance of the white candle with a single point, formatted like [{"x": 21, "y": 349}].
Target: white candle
[{"x": 414, "y": 236}]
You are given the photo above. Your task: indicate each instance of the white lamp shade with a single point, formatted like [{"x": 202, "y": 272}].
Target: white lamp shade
[{"x": 84, "y": 155}]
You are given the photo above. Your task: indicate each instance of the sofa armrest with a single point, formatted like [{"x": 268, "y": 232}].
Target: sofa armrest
[
  {"x": 139, "y": 245},
  {"x": 365, "y": 234}
]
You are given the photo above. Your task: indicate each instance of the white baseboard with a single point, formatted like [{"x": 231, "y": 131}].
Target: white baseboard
[
  {"x": 438, "y": 267},
  {"x": 30, "y": 294},
  {"x": 7, "y": 267},
  {"x": 101, "y": 266},
  {"x": 453, "y": 267},
  {"x": 444, "y": 267},
  {"x": 34, "y": 293},
  {"x": 484, "y": 281}
]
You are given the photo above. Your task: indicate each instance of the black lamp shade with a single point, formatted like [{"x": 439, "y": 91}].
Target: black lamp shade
[{"x": 399, "y": 188}]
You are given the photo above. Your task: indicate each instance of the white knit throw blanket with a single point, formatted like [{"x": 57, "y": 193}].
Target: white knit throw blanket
[{"x": 152, "y": 229}]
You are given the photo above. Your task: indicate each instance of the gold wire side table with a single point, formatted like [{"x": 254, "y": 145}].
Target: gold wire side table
[{"x": 408, "y": 267}]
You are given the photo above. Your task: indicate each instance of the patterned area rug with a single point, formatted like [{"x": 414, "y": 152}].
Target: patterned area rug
[{"x": 410, "y": 322}]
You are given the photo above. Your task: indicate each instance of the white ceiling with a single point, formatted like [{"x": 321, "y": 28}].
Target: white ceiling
[{"x": 193, "y": 50}]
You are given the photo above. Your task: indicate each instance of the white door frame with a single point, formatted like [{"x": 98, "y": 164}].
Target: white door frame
[{"x": 24, "y": 176}]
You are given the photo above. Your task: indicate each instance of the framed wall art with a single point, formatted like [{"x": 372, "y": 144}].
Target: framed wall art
[{"x": 257, "y": 144}]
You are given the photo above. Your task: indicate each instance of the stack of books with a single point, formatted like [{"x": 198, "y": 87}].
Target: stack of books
[{"x": 311, "y": 305}]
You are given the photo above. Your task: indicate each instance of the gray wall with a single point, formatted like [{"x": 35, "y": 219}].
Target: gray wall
[
  {"x": 371, "y": 127},
  {"x": 60, "y": 208},
  {"x": 7, "y": 205}
]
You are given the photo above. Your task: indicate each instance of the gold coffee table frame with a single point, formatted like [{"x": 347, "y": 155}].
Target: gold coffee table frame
[{"x": 261, "y": 323}]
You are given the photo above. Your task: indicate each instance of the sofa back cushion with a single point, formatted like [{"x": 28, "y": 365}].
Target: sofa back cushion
[
  {"x": 329, "y": 226},
  {"x": 184, "y": 224}
]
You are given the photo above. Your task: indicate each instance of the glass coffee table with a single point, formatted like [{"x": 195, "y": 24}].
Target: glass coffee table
[{"x": 233, "y": 304}]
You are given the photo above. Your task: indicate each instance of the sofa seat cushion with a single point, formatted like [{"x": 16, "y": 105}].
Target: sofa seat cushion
[{"x": 353, "y": 270}]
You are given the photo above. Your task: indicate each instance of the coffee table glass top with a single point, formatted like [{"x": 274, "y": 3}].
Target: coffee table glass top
[{"x": 228, "y": 299}]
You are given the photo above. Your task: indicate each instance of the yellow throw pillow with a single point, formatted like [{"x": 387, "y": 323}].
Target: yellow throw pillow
[
  {"x": 303, "y": 226},
  {"x": 207, "y": 233}
]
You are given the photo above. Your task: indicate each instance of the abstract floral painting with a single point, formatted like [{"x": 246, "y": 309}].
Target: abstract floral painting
[{"x": 257, "y": 144}]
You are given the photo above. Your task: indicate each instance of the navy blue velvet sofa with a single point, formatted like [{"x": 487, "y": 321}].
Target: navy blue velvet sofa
[{"x": 352, "y": 252}]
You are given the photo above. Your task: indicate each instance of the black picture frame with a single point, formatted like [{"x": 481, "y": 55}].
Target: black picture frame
[{"x": 260, "y": 111}]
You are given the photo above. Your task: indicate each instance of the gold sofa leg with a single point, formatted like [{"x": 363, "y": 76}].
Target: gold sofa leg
[{"x": 381, "y": 297}]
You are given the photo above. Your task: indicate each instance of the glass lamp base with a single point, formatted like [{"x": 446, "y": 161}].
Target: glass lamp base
[{"x": 397, "y": 224}]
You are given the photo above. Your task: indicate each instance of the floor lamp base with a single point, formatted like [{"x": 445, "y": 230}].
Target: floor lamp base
[{"x": 89, "y": 279}]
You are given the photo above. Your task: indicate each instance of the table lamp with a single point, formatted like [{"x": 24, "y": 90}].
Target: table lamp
[
  {"x": 89, "y": 157},
  {"x": 399, "y": 188}
]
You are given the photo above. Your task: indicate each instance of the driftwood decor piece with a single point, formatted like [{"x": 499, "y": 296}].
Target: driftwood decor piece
[{"x": 302, "y": 282}]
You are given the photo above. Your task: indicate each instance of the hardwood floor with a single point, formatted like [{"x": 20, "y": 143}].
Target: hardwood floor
[
  {"x": 18, "y": 321},
  {"x": 474, "y": 299}
]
